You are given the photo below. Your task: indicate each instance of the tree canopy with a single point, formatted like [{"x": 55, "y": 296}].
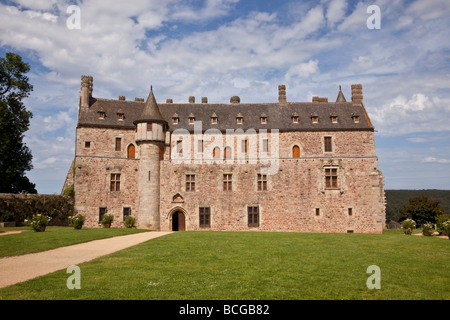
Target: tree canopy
[
  {"x": 15, "y": 157},
  {"x": 421, "y": 209}
]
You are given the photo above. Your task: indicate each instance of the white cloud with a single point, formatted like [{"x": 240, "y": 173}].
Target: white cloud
[
  {"x": 432, "y": 159},
  {"x": 336, "y": 12}
]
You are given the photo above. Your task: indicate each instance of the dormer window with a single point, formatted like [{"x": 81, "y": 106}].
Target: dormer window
[
  {"x": 314, "y": 118},
  {"x": 214, "y": 118},
  {"x": 239, "y": 119},
  {"x": 120, "y": 116},
  {"x": 355, "y": 117},
  {"x": 294, "y": 117},
  {"x": 263, "y": 118},
  {"x": 334, "y": 118},
  {"x": 175, "y": 119},
  {"x": 101, "y": 114},
  {"x": 191, "y": 119}
]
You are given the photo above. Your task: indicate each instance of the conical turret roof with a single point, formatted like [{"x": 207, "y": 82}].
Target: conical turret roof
[
  {"x": 151, "y": 111},
  {"x": 340, "y": 97}
]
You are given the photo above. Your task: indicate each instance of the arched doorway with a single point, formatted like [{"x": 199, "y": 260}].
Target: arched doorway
[{"x": 178, "y": 221}]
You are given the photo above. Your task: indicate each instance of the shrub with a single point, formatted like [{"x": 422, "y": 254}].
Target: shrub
[
  {"x": 427, "y": 229},
  {"x": 130, "y": 221},
  {"x": 107, "y": 220},
  {"x": 446, "y": 227},
  {"x": 38, "y": 222},
  {"x": 408, "y": 226},
  {"x": 77, "y": 221}
]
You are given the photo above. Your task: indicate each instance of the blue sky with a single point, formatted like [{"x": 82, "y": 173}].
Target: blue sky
[{"x": 222, "y": 48}]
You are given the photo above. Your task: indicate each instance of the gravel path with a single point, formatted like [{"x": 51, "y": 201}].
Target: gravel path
[{"x": 25, "y": 267}]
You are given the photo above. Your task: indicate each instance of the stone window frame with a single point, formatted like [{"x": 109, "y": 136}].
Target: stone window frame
[
  {"x": 262, "y": 182},
  {"x": 332, "y": 144},
  {"x": 206, "y": 214},
  {"x": 126, "y": 208},
  {"x": 101, "y": 213},
  {"x": 190, "y": 182},
  {"x": 227, "y": 181},
  {"x": 253, "y": 211},
  {"x": 87, "y": 144},
  {"x": 118, "y": 144},
  {"x": 114, "y": 185}
]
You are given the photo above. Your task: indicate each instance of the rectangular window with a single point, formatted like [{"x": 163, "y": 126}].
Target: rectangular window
[
  {"x": 227, "y": 182},
  {"x": 262, "y": 182},
  {"x": 350, "y": 211},
  {"x": 334, "y": 119},
  {"x": 317, "y": 212},
  {"x": 205, "y": 217},
  {"x": 87, "y": 144},
  {"x": 126, "y": 212},
  {"x": 331, "y": 178},
  {"x": 253, "y": 216},
  {"x": 118, "y": 144},
  {"x": 295, "y": 119},
  {"x": 244, "y": 146},
  {"x": 149, "y": 127},
  {"x": 101, "y": 115},
  {"x": 190, "y": 183},
  {"x": 328, "y": 144},
  {"x": 200, "y": 146},
  {"x": 180, "y": 146},
  {"x": 120, "y": 116},
  {"x": 115, "y": 182},
  {"x": 265, "y": 145},
  {"x": 101, "y": 212}
]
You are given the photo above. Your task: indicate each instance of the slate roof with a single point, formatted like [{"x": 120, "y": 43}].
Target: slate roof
[{"x": 279, "y": 115}]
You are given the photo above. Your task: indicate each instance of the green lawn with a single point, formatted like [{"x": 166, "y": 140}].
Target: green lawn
[
  {"x": 30, "y": 241},
  {"x": 257, "y": 265}
]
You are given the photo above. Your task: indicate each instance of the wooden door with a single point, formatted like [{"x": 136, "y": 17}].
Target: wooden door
[
  {"x": 131, "y": 151},
  {"x": 181, "y": 222},
  {"x": 295, "y": 152}
]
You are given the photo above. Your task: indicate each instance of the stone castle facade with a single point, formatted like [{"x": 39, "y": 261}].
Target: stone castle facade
[{"x": 283, "y": 166}]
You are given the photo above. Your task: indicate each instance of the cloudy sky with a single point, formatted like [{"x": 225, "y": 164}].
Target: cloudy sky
[{"x": 222, "y": 48}]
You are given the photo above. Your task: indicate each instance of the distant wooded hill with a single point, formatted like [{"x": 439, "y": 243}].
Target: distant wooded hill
[{"x": 396, "y": 199}]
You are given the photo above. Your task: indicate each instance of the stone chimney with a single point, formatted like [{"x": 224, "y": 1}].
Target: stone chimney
[
  {"x": 191, "y": 99},
  {"x": 235, "y": 99},
  {"x": 317, "y": 99},
  {"x": 139, "y": 100},
  {"x": 121, "y": 97},
  {"x": 86, "y": 90},
  {"x": 281, "y": 93},
  {"x": 357, "y": 96},
  {"x": 169, "y": 101},
  {"x": 204, "y": 99}
]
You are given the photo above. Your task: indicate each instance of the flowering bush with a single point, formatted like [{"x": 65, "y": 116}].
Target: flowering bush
[
  {"x": 446, "y": 227},
  {"x": 130, "y": 221},
  {"x": 408, "y": 226},
  {"x": 427, "y": 229},
  {"x": 77, "y": 221},
  {"x": 107, "y": 220},
  {"x": 38, "y": 222}
]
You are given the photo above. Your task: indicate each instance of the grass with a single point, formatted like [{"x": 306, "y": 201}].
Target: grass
[
  {"x": 30, "y": 241},
  {"x": 257, "y": 265}
]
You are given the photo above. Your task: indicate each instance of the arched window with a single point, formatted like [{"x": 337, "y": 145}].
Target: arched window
[
  {"x": 227, "y": 153},
  {"x": 295, "y": 152},
  {"x": 216, "y": 153},
  {"x": 131, "y": 150}
]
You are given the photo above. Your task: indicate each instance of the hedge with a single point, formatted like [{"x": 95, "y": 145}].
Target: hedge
[{"x": 18, "y": 207}]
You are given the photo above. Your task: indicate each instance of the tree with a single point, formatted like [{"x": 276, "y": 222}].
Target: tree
[
  {"x": 15, "y": 157},
  {"x": 421, "y": 209}
]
